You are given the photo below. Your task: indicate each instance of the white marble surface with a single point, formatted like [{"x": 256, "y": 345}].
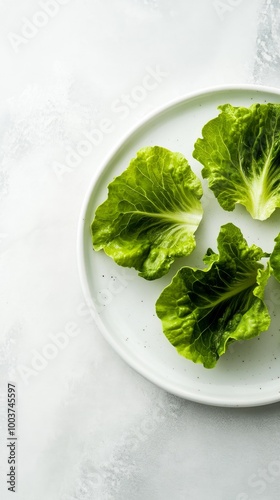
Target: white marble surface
[{"x": 89, "y": 427}]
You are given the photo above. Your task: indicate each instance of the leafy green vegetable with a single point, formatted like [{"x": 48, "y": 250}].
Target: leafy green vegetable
[
  {"x": 275, "y": 258},
  {"x": 204, "y": 310},
  {"x": 240, "y": 152},
  {"x": 151, "y": 214}
]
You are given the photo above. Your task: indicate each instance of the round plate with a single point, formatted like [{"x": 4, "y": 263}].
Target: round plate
[{"x": 123, "y": 304}]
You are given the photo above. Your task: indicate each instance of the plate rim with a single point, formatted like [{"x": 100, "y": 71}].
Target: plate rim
[{"x": 209, "y": 400}]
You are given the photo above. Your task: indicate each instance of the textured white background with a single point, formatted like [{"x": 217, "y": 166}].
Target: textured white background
[{"x": 89, "y": 427}]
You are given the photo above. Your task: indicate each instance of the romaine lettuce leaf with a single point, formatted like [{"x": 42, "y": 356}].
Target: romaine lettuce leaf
[
  {"x": 204, "y": 310},
  {"x": 275, "y": 258},
  {"x": 151, "y": 214},
  {"x": 240, "y": 152}
]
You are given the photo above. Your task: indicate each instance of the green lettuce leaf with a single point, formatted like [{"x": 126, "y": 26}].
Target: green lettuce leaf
[
  {"x": 204, "y": 310},
  {"x": 275, "y": 258},
  {"x": 240, "y": 152},
  {"x": 151, "y": 214}
]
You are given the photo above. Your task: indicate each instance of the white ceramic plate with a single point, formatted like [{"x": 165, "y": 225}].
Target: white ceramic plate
[{"x": 123, "y": 304}]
